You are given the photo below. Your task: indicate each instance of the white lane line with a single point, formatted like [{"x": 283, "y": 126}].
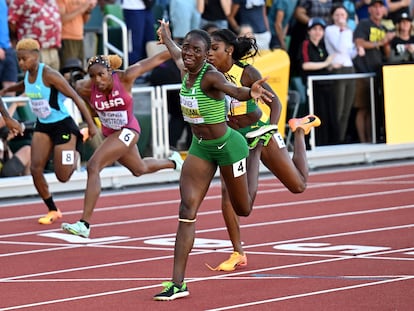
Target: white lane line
[
  {"x": 326, "y": 291},
  {"x": 257, "y": 207}
]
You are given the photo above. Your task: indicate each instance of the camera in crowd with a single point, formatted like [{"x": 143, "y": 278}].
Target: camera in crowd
[
  {"x": 75, "y": 76},
  {"x": 73, "y": 71}
]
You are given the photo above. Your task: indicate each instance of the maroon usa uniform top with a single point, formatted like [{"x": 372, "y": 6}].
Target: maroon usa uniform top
[{"x": 115, "y": 111}]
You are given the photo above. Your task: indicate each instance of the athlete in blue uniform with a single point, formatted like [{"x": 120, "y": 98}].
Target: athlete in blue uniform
[{"x": 55, "y": 131}]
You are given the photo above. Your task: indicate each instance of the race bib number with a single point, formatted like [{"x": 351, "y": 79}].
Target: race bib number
[
  {"x": 280, "y": 141},
  {"x": 113, "y": 119},
  {"x": 126, "y": 136},
  {"x": 239, "y": 168},
  {"x": 190, "y": 110},
  {"x": 41, "y": 108},
  {"x": 68, "y": 157}
]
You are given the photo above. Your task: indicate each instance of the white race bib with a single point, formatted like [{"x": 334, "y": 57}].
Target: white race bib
[
  {"x": 113, "y": 119},
  {"x": 126, "y": 136},
  {"x": 190, "y": 110},
  {"x": 41, "y": 108},
  {"x": 239, "y": 168}
]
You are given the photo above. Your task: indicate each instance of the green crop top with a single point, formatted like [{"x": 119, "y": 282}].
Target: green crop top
[{"x": 197, "y": 107}]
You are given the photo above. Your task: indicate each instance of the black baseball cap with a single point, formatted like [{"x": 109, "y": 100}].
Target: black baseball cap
[
  {"x": 316, "y": 21},
  {"x": 72, "y": 64},
  {"x": 405, "y": 16},
  {"x": 377, "y": 1}
]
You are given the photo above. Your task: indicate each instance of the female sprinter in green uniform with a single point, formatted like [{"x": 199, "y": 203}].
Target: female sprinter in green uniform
[
  {"x": 226, "y": 54},
  {"x": 214, "y": 144}
]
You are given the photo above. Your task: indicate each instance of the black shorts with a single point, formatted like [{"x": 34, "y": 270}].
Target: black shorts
[
  {"x": 60, "y": 132},
  {"x": 13, "y": 167}
]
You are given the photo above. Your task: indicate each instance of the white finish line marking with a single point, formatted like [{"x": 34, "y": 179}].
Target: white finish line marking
[
  {"x": 198, "y": 242},
  {"x": 80, "y": 240}
]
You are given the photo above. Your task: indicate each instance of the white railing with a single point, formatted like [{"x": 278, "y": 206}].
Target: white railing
[
  {"x": 107, "y": 46},
  {"x": 157, "y": 108},
  {"x": 13, "y": 99},
  {"x": 159, "y": 116},
  {"x": 342, "y": 77}
]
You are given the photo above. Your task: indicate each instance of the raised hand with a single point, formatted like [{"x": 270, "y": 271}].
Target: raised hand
[{"x": 257, "y": 91}]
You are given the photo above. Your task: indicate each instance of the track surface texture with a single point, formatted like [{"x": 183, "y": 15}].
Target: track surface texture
[{"x": 346, "y": 243}]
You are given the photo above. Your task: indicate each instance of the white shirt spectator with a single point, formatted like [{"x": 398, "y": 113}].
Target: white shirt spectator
[{"x": 339, "y": 42}]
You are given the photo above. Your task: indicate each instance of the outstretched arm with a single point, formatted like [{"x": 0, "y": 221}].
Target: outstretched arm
[
  {"x": 139, "y": 68},
  {"x": 164, "y": 35},
  {"x": 214, "y": 82}
]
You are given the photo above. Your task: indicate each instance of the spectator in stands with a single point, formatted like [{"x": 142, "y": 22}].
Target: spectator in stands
[
  {"x": 245, "y": 30},
  {"x": 339, "y": 43},
  {"x": 315, "y": 60},
  {"x": 372, "y": 41},
  {"x": 396, "y": 8},
  {"x": 214, "y": 12},
  {"x": 55, "y": 131},
  {"x": 362, "y": 6},
  {"x": 39, "y": 20},
  {"x": 349, "y": 5},
  {"x": 184, "y": 16},
  {"x": 305, "y": 10},
  {"x": 253, "y": 13},
  {"x": 74, "y": 14},
  {"x": 17, "y": 164},
  {"x": 140, "y": 21},
  {"x": 280, "y": 15},
  {"x": 8, "y": 60},
  {"x": 402, "y": 45}
]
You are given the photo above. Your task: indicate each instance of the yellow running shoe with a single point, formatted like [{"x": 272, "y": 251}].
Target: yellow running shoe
[
  {"x": 230, "y": 264},
  {"x": 306, "y": 123},
  {"x": 50, "y": 217}
]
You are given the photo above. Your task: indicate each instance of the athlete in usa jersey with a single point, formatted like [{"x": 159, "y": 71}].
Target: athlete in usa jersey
[
  {"x": 116, "y": 109},
  {"x": 108, "y": 91}
]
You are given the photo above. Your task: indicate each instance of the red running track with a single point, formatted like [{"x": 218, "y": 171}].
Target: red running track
[{"x": 347, "y": 243}]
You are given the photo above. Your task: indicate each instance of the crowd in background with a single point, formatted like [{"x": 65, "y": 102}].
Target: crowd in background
[{"x": 320, "y": 37}]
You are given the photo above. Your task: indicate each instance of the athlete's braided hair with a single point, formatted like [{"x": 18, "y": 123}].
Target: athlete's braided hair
[{"x": 110, "y": 61}]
